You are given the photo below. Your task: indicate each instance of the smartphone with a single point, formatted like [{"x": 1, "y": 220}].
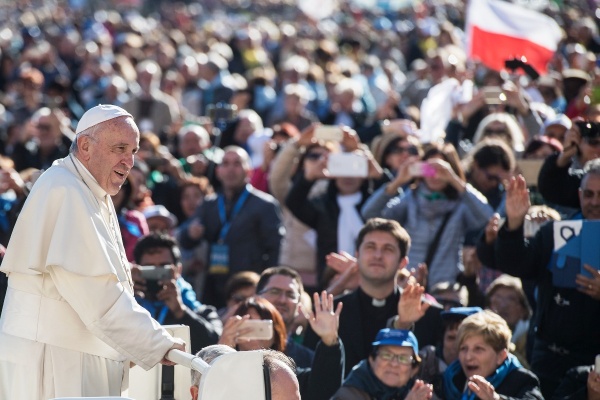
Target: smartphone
[
  {"x": 429, "y": 299},
  {"x": 493, "y": 95},
  {"x": 421, "y": 169},
  {"x": 597, "y": 364},
  {"x": 349, "y": 165},
  {"x": 260, "y": 329},
  {"x": 330, "y": 133}
]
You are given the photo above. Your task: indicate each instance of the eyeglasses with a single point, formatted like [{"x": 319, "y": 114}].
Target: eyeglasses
[
  {"x": 313, "y": 156},
  {"x": 276, "y": 292},
  {"x": 403, "y": 359},
  {"x": 411, "y": 150}
]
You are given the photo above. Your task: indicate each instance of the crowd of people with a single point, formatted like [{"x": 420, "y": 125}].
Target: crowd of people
[{"x": 288, "y": 170}]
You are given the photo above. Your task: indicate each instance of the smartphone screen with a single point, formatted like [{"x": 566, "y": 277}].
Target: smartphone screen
[
  {"x": 259, "y": 329},
  {"x": 347, "y": 165}
]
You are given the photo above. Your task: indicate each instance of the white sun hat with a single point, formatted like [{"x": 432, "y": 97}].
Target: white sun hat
[{"x": 98, "y": 114}]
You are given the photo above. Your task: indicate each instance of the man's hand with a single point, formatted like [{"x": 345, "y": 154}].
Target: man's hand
[
  {"x": 491, "y": 229},
  {"x": 517, "y": 202},
  {"x": 139, "y": 283},
  {"x": 410, "y": 306},
  {"x": 347, "y": 276},
  {"x": 179, "y": 345},
  {"x": 593, "y": 385},
  {"x": 170, "y": 294},
  {"x": 589, "y": 286},
  {"x": 324, "y": 321},
  {"x": 571, "y": 143}
]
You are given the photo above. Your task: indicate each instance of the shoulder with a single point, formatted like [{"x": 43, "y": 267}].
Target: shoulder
[
  {"x": 261, "y": 196},
  {"x": 522, "y": 377}
]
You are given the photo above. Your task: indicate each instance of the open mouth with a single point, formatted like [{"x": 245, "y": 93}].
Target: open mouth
[{"x": 121, "y": 174}]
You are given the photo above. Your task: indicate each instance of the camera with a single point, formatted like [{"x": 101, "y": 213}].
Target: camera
[
  {"x": 588, "y": 129},
  {"x": 153, "y": 274},
  {"x": 515, "y": 63}
]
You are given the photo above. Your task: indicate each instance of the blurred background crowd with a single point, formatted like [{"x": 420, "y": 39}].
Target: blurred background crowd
[{"x": 266, "y": 76}]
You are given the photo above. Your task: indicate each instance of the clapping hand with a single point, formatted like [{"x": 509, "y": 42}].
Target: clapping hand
[
  {"x": 324, "y": 321},
  {"x": 420, "y": 391},
  {"x": 482, "y": 388}
]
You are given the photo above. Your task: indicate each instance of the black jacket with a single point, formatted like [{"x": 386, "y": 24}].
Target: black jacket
[
  {"x": 428, "y": 329},
  {"x": 563, "y": 316},
  {"x": 320, "y": 213}
]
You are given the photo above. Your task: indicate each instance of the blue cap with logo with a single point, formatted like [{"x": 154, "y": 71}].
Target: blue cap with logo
[{"x": 397, "y": 337}]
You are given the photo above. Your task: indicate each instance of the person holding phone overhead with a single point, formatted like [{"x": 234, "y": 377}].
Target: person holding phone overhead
[
  {"x": 565, "y": 326},
  {"x": 70, "y": 325},
  {"x": 334, "y": 215},
  {"x": 437, "y": 210}
]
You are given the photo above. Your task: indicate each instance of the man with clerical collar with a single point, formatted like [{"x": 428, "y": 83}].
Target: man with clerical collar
[{"x": 382, "y": 247}]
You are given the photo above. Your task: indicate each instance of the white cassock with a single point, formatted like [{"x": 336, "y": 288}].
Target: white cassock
[{"x": 70, "y": 324}]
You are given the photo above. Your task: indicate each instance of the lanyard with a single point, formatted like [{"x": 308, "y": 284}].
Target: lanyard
[{"x": 236, "y": 209}]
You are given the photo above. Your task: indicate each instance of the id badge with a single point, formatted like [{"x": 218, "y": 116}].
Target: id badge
[{"x": 219, "y": 259}]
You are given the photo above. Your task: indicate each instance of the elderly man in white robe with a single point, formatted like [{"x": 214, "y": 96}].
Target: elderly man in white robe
[{"x": 70, "y": 325}]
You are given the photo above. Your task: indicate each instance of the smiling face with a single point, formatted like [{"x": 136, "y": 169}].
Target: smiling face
[
  {"x": 108, "y": 155},
  {"x": 477, "y": 357},
  {"x": 379, "y": 257},
  {"x": 391, "y": 372},
  {"x": 589, "y": 196}
]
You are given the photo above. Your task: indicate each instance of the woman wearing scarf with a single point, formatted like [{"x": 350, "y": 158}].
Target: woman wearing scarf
[
  {"x": 388, "y": 373},
  {"x": 485, "y": 369},
  {"x": 438, "y": 204}
]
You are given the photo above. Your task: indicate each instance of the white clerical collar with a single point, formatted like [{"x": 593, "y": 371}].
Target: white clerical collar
[
  {"x": 377, "y": 303},
  {"x": 88, "y": 178}
]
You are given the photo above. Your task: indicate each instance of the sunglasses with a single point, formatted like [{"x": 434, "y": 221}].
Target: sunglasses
[
  {"x": 411, "y": 150},
  {"x": 313, "y": 156},
  {"x": 498, "y": 131},
  {"x": 491, "y": 177}
]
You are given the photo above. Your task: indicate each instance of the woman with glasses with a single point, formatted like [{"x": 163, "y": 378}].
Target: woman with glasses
[
  {"x": 440, "y": 204},
  {"x": 389, "y": 372},
  {"x": 393, "y": 149},
  {"x": 485, "y": 369}
]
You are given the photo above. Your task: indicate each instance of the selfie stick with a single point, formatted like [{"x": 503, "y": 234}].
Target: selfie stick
[{"x": 188, "y": 360}]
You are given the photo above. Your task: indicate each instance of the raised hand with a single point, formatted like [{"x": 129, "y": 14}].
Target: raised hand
[
  {"x": 410, "y": 306},
  {"x": 517, "y": 202},
  {"x": 482, "y": 388},
  {"x": 324, "y": 321}
]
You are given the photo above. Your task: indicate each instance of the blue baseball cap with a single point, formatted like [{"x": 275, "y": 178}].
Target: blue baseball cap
[
  {"x": 461, "y": 312},
  {"x": 397, "y": 337}
]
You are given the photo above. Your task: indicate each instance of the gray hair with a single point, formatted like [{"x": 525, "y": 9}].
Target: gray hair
[
  {"x": 209, "y": 354},
  {"x": 92, "y": 132},
  {"x": 590, "y": 167}
]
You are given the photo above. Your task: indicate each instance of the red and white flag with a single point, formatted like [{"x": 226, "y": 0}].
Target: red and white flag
[{"x": 498, "y": 30}]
